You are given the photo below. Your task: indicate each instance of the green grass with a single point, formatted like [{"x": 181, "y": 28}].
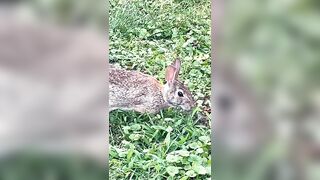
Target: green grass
[{"x": 147, "y": 36}]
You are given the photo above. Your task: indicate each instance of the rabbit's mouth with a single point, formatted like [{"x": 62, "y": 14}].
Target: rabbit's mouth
[
  {"x": 180, "y": 106},
  {"x": 186, "y": 108},
  {"x": 174, "y": 104},
  {"x": 183, "y": 106},
  {"x": 171, "y": 103}
]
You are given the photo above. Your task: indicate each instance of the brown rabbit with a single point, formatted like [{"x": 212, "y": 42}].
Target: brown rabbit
[{"x": 132, "y": 90}]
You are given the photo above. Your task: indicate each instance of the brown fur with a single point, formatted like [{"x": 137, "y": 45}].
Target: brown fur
[{"x": 132, "y": 90}]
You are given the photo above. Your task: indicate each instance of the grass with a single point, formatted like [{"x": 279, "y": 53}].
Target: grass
[{"x": 147, "y": 36}]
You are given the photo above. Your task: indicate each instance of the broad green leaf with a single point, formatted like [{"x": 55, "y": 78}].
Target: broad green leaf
[
  {"x": 134, "y": 137},
  {"x": 135, "y": 127},
  {"x": 172, "y": 170},
  {"x": 204, "y": 139},
  {"x": 183, "y": 153},
  {"x": 200, "y": 169},
  {"x": 199, "y": 151},
  {"x": 191, "y": 173},
  {"x": 172, "y": 158},
  {"x": 193, "y": 145},
  {"x": 126, "y": 129}
]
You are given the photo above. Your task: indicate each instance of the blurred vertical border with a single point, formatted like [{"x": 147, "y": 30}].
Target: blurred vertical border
[
  {"x": 53, "y": 89},
  {"x": 265, "y": 78}
]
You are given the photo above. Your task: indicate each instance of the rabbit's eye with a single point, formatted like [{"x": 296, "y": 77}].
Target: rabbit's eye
[{"x": 180, "y": 94}]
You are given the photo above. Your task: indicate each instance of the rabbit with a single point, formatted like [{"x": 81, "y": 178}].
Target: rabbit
[{"x": 132, "y": 90}]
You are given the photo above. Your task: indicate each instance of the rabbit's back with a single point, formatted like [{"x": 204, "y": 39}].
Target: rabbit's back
[{"x": 132, "y": 90}]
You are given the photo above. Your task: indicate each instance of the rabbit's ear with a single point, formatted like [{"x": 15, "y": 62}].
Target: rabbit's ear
[
  {"x": 177, "y": 64},
  {"x": 170, "y": 73}
]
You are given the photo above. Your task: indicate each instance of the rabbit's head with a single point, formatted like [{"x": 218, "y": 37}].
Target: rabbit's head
[{"x": 175, "y": 93}]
